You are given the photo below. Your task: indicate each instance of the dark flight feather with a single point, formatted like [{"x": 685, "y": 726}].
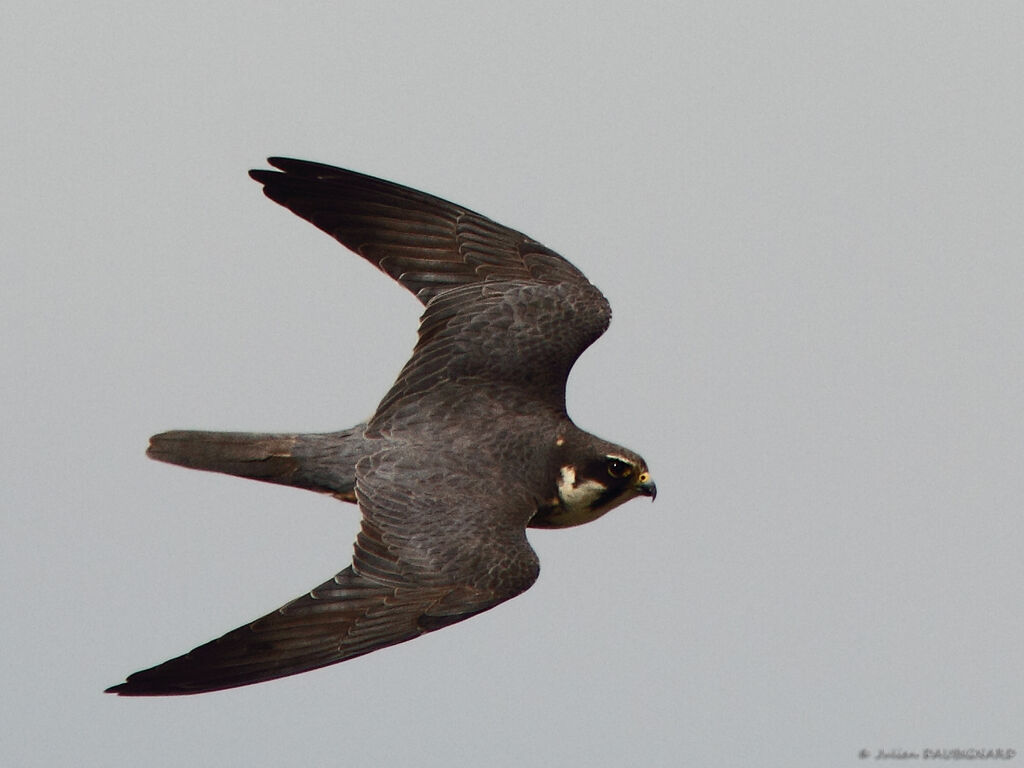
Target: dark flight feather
[{"x": 425, "y": 243}]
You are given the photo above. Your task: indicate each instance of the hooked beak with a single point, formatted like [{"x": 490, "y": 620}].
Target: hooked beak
[{"x": 645, "y": 486}]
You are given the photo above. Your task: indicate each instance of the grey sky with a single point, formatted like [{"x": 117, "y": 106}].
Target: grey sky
[{"x": 807, "y": 218}]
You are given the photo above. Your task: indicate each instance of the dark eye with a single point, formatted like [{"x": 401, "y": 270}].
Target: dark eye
[{"x": 617, "y": 467}]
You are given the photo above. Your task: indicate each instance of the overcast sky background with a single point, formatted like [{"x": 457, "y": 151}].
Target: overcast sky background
[{"x": 808, "y": 220}]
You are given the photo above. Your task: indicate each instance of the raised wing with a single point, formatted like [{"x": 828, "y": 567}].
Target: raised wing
[
  {"x": 425, "y": 243},
  {"x": 502, "y": 309}
]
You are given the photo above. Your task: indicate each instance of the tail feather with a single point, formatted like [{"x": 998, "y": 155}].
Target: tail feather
[{"x": 318, "y": 462}]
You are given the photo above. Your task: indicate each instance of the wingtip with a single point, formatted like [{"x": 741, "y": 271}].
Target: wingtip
[
  {"x": 262, "y": 174},
  {"x": 286, "y": 165},
  {"x": 141, "y": 688},
  {"x": 305, "y": 170}
]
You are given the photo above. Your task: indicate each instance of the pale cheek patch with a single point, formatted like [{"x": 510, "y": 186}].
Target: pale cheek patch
[{"x": 577, "y": 497}]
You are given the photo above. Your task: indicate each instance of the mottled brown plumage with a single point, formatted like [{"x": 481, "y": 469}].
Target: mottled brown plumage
[{"x": 471, "y": 445}]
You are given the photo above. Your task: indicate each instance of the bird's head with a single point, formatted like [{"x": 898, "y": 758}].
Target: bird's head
[{"x": 592, "y": 481}]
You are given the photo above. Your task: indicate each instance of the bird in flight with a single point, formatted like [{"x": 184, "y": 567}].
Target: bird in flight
[{"x": 470, "y": 447}]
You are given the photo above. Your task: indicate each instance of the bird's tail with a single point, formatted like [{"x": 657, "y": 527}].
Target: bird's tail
[{"x": 317, "y": 462}]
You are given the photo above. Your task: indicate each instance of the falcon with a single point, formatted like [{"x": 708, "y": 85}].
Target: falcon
[{"x": 470, "y": 447}]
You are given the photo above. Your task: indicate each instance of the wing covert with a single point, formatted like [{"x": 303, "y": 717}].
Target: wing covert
[{"x": 512, "y": 341}]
